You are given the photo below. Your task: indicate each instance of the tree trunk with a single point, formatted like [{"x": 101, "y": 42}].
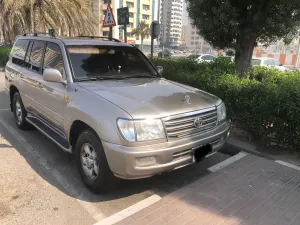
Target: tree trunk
[
  {"x": 243, "y": 53},
  {"x": 36, "y": 15},
  {"x": 142, "y": 43}
]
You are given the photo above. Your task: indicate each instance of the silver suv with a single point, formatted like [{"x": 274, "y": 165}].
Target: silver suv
[{"x": 105, "y": 102}]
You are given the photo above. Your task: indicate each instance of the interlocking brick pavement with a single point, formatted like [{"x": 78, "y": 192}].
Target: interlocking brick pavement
[{"x": 250, "y": 191}]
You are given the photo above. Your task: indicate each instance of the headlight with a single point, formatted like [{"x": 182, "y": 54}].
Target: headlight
[
  {"x": 141, "y": 130},
  {"x": 221, "y": 112}
]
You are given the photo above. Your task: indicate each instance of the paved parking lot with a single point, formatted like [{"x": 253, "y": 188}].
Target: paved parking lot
[
  {"x": 40, "y": 185},
  {"x": 250, "y": 191}
]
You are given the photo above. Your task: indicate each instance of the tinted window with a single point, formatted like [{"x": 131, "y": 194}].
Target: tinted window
[
  {"x": 53, "y": 58},
  {"x": 19, "y": 52},
  {"x": 108, "y": 61},
  {"x": 207, "y": 57},
  {"x": 27, "y": 57},
  {"x": 255, "y": 62},
  {"x": 37, "y": 55}
]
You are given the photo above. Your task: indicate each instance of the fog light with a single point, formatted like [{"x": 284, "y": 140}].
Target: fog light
[{"x": 146, "y": 161}]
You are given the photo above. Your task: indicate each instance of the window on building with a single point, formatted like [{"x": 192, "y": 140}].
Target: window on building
[
  {"x": 145, "y": 17},
  {"x": 131, "y": 15},
  {"x": 103, "y": 12},
  {"x": 146, "y": 7},
  {"x": 196, "y": 43},
  {"x": 105, "y": 33},
  {"x": 192, "y": 38},
  {"x": 192, "y": 43},
  {"x": 131, "y": 25},
  {"x": 193, "y": 32},
  {"x": 130, "y": 4}
]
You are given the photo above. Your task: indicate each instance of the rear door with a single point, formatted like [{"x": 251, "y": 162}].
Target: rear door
[
  {"x": 21, "y": 74},
  {"x": 51, "y": 95}
]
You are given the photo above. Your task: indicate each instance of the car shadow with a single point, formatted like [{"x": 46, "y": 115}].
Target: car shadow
[{"x": 63, "y": 163}]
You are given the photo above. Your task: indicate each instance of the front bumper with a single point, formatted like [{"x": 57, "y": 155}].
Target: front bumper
[{"x": 125, "y": 162}]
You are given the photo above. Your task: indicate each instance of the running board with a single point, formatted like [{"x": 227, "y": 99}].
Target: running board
[{"x": 51, "y": 134}]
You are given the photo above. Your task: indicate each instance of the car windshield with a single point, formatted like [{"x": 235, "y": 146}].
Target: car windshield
[
  {"x": 255, "y": 62},
  {"x": 108, "y": 62}
]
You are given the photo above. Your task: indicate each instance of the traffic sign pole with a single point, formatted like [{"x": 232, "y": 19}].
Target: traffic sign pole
[
  {"x": 125, "y": 33},
  {"x": 110, "y": 32}
]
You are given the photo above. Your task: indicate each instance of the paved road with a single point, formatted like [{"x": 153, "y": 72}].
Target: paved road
[{"x": 40, "y": 185}]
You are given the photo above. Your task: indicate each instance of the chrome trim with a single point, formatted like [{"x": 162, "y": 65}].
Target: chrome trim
[
  {"x": 177, "y": 116},
  {"x": 182, "y": 125},
  {"x": 69, "y": 150}
]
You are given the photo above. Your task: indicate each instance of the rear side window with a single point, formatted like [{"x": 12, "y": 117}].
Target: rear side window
[
  {"x": 19, "y": 52},
  {"x": 36, "y": 55},
  {"x": 53, "y": 58}
]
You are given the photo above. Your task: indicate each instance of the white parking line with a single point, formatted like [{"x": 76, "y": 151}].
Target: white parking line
[
  {"x": 117, "y": 217},
  {"x": 62, "y": 180},
  {"x": 288, "y": 164},
  {"x": 227, "y": 162},
  {"x": 4, "y": 110}
]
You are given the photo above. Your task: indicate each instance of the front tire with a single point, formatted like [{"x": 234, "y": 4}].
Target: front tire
[
  {"x": 20, "y": 112},
  {"x": 92, "y": 164}
]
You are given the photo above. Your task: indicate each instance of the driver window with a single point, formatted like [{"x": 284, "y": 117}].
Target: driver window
[{"x": 53, "y": 58}]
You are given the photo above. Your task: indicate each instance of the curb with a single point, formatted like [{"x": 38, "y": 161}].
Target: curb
[{"x": 233, "y": 147}]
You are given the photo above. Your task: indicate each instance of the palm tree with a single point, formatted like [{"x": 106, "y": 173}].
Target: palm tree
[
  {"x": 142, "y": 30},
  {"x": 70, "y": 17}
]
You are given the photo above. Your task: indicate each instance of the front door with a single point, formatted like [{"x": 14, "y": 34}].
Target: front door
[{"x": 51, "y": 95}]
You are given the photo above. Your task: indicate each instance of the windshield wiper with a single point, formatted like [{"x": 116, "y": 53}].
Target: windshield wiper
[
  {"x": 101, "y": 78},
  {"x": 142, "y": 76},
  {"x": 86, "y": 79}
]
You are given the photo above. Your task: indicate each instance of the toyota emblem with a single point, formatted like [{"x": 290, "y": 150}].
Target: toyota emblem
[
  {"x": 187, "y": 99},
  {"x": 198, "y": 122}
]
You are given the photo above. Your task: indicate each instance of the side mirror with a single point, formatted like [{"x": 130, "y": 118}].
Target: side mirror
[
  {"x": 160, "y": 69},
  {"x": 52, "y": 75}
]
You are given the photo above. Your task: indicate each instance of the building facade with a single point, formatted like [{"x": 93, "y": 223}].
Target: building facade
[
  {"x": 147, "y": 10},
  {"x": 171, "y": 20},
  {"x": 192, "y": 40}
]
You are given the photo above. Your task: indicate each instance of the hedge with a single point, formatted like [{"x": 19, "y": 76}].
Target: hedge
[
  {"x": 4, "y": 54},
  {"x": 264, "y": 103}
]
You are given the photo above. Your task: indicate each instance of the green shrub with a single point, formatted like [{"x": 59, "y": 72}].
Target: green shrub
[
  {"x": 266, "y": 102},
  {"x": 4, "y": 55}
]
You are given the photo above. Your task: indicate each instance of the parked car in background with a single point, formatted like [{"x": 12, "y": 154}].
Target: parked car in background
[
  {"x": 268, "y": 62},
  {"x": 205, "y": 58}
]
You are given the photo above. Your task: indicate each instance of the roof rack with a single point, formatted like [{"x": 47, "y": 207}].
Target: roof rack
[
  {"x": 101, "y": 37},
  {"x": 38, "y": 34}
]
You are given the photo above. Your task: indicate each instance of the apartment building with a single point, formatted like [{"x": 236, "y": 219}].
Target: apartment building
[
  {"x": 171, "y": 20},
  {"x": 138, "y": 10},
  {"x": 192, "y": 40}
]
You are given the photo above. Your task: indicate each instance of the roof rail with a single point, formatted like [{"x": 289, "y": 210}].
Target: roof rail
[
  {"x": 38, "y": 34},
  {"x": 101, "y": 37}
]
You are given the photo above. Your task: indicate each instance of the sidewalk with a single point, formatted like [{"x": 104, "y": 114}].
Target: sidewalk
[{"x": 252, "y": 190}]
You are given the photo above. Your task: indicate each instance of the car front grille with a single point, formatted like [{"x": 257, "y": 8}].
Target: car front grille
[{"x": 183, "y": 125}]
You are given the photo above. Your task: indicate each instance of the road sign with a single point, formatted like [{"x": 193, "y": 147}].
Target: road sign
[
  {"x": 123, "y": 16},
  {"x": 155, "y": 29},
  {"x": 109, "y": 19}
]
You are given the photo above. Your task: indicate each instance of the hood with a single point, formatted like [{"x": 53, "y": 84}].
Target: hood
[{"x": 151, "y": 98}]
